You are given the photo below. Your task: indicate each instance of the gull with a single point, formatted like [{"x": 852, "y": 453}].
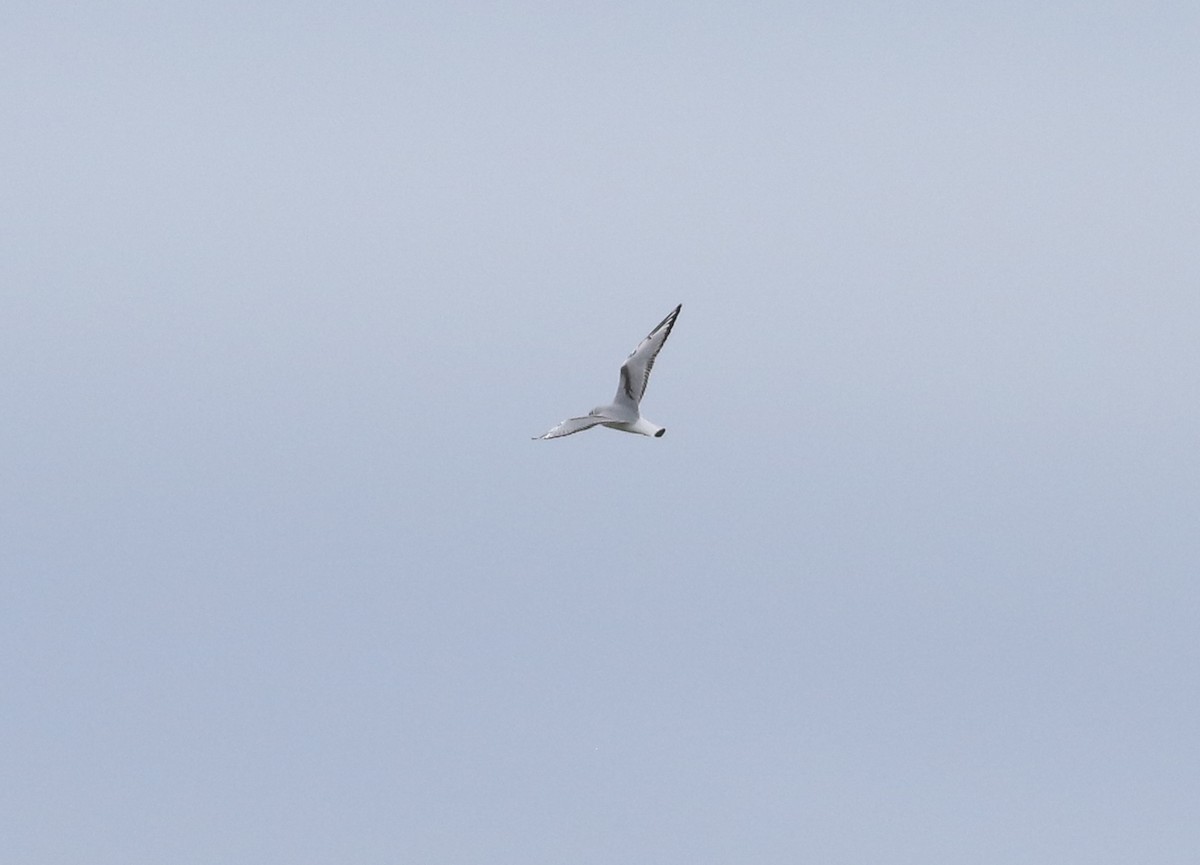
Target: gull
[{"x": 622, "y": 413}]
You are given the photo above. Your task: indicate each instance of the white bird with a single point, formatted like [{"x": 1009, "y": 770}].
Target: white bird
[{"x": 622, "y": 413}]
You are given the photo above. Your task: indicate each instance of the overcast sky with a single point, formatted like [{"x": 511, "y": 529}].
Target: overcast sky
[{"x": 286, "y": 288}]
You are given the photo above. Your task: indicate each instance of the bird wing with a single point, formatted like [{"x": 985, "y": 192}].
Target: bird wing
[
  {"x": 574, "y": 425},
  {"x": 635, "y": 372}
]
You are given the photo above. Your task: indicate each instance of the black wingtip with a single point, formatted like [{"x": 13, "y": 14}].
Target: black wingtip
[{"x": 669, "y": 321}]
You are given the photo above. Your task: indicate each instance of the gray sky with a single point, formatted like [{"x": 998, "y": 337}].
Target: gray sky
[{"x": 285, "y": 290}]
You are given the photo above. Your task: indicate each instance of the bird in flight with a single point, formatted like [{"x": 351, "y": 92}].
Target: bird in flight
[{"x": 622, "y": 413}]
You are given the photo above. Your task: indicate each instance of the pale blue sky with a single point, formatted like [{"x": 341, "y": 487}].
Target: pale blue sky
[{"x": 285, "y": 290}]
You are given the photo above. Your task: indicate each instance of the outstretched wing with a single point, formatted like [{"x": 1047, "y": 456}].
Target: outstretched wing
[
  {"x": 635, "y": 372},
  {"x": 573, "y": 425}
]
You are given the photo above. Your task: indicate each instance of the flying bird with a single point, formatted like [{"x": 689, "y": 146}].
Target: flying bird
[{"x": 622, "y": 413}]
